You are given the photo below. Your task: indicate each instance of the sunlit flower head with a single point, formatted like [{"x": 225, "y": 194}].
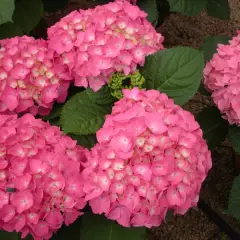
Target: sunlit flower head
[
  {"x": 29, "y": 79},
  {"x": 150, "y": 158},
  {"x": 222, "y": 79},
  {"x": 41, "y": 186},
  {"x": 95, "y": 43}
]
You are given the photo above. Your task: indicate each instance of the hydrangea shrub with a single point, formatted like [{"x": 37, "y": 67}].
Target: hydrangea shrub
[{"x": 103, "y": 78}]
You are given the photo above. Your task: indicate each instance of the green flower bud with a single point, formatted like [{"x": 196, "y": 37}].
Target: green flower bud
[{"x": 119, "y": 81}]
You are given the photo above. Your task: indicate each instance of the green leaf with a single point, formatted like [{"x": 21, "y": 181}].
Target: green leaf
[
  {"x": 9, "y": 30},
  {"x": 163, "y": 9},
  {"x": 81, "y": 116},
  {"x": 203, "y": 91},
  {"x": 169, "y": 216},
  {"x": 54, "y": 5},
  {"x": 9, "y": 235},
  {"x": 210, "y": 43},
  {"x": 102, "y": 96},
  {"x": 71, "y": 232},
  {"x": 97, "y": 227},
  {"x": 234, "y": 137},
  {"x": 214, "y": 127},
  {"x": 87, "y": 141},
  {"x": 187, "y": 7},
  {"x": 6, "y": 10},
  {"x": 55, "y": 112},
  {"x": 174, "y": 71},
  {"x": 55, "y": 122},
  {"x": 150, "y": 7},
  {"x": 234, "y": 199},
  {"x": 28, "y": 14},
  {"x": 219, "y": 9}
]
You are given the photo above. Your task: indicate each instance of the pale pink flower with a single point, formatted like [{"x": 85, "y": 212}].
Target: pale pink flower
[
  {"x": 150, "y": 158},
  {"x": 222, "y": 79},
  {"x": 41, "y": 185},
  {"x": 93, "y": 44},
  {"x": 30, "y": 80}
]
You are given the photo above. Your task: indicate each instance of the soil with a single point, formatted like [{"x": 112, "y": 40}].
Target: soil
[{"x": 180, "y": 30}]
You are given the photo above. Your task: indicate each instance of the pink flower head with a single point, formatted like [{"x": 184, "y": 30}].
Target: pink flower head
[
  {"x": 150, "y": 158},
  {"x": 29, "y": 81},
  {"x": 92, "y": 44},
  {"x": 41, "y": 186},
  {"x": 222, "y": 79}
]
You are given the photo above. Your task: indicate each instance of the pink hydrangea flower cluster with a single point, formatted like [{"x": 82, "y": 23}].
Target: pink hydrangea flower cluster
[
  {"x": 29, "y": 80},
  {"x": 222, "y": 79},
  {"x": 92, "y": 44},
  {"x": 40, "y": 177},
  {"x": 150, "y": 158}
]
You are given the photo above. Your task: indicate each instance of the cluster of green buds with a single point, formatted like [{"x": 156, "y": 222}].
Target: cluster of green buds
[{"x": 120, "y": 81}]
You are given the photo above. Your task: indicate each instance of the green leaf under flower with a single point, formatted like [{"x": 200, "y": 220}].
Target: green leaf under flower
[
  {"x": 234, "y": 199},
  {"x": 28, "y": 14},
  {"x": 150, "y": 7},
  {"x": 187, "y": 7},
  {"x": 219, "y": 9},
  {"x": 97, "y": 227},
  {"x": 6, "y": 10},
  {"x": 81, "y": 116},
  {"x": 234, "y": 137},
  {"x": 174, "y": 71},
  {"x": 214, "y": 127},
  {"x": 102, "y": 96},
  {"x": 210, "y": 43}
]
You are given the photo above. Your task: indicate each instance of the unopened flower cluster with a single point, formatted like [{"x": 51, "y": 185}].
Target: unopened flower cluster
[
  {"x": 29, "y": 80},
  {"x": 95, "y": 43},
  {"x": 120, "y": 81},
  {"x": 150, "y": 158},
  {"x": 222, "y": 78},
  {"x": 40, "y": 182}
]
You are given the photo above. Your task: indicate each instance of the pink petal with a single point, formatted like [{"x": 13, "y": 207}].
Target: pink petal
[
  {"x": 121, "y": 214},
  {"x": 121, "y": 143},
  {"x": 155, "y": 123},
  {"x": 70, "y": 217},
  {"x": 173, "y": 197},
  {"x": 104, "y": 134},
  {"x": 7, "y": 213},
  {"x": 22, "y": 182},
  {"x": 20, "y": 222},
  {"x": 95, "y": 192},
  {"x": 49, "y": 93},
  {"x": 22, "y": 200},
  {"x": 100, "y": 204},
  {"x": 4, "y": 198},
  {"x": 10, "y": 98},
  {"x": 54, "y": 219},
  {"x": 138, "y": 220},
  {"x": 144, "y": 170},
  {"x": 41, "y": 228},
  {"x": 32, "y": 217}
]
